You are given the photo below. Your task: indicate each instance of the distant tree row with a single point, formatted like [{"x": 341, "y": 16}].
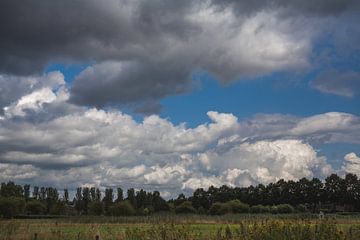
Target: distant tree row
[{"x": 313, "y": 195}]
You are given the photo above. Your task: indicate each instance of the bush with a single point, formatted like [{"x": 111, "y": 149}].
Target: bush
[
  {"x": 95, "y": 208},
  {"x": 123, "y": 208},
  {"x": 301, "y": 208},
  {"x": 285, "y": 208},
  {"x": 220, "y": 209},
  {"x": 274, "y": 209},
  {"x": 201, "y": 210},
  {"x": 58, "y": 208},
  {"x": 9, "y": 207},
  {"x": 259, "y": 209},
  {"x": 35, "y": 207},
  {"x": 238, "y": 207},
  {"x": 185, "y": 207}
]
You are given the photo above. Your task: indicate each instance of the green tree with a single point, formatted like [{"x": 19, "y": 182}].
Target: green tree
[
  {"x": 78, "y": 200},
  {"x": 35, "y": 207},
  {"x": 285, "y": 208},
  {"x": 220, "y": 209},
  {"x": 95, "y": 208},
  {"x": 335, "y": 190},
  {"x": 108, "y": 199},
  {"x": 92, "y": 194},
  {"x": 52, "y": 197},
  {"x": 238, "y": 207},
  {"x": 120, "y": 195},
  {"x": 86, "y": 199},
  {"x": 158, "y": 203},
  {"x": 66, "y": 196},
  {"x": 36, "y": 192},
  {"x": 185, "y": 208},
  {"x": 131, "y": 197},
  {"x": 259, "y": 209},
  {"x": 11, "y": 206},
  {"x": 10, "y": 189},
  {"x": 97, "y": 195},
  {"x": 26, "y": 192},
  {"x": 123, "y": 208}
]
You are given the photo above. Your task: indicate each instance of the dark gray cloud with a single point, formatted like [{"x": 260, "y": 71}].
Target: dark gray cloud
[
  {"x": 345, "y": 84},
  {"x": 317, "y": 8},
  {"x": 158, "y": 44},
  {"x": 122, "y": 82},
  {"x": 36, "y": 32}
]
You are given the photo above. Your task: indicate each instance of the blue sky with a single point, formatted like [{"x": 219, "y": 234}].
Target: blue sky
[{"x": 285, "y": 93}]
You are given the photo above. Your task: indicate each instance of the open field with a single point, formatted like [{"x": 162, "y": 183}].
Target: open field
[{"x": 185, "y": 227}]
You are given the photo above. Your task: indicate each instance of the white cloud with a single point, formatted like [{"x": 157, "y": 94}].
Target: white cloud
[
  {"x": 202, "y": 182},
  {"x": 351, "y": 164},
  {"x": 267, "y": 161},
  {"x": 33, "y": 101},
  {"x": 248, "y": 46},
  {"x": 26, "y": 91},
  {"x": 166, "y": 174},
  {"x": 17, "y": 172},
  {"x": 327, "y": 122},
  {"x": 86, "y": 146}
]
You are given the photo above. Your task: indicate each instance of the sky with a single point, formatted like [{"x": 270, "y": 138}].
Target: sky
[{"x": 176, "y": 95}]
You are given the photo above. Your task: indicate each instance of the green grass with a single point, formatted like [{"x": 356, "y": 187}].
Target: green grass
[{"x": 190, "y": 227}]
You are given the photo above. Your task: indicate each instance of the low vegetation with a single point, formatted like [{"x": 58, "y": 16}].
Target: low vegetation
[{"x": 185, "y": 227}]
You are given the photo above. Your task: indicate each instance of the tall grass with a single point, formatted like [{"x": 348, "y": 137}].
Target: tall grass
[{"x": 230, "y": 227}]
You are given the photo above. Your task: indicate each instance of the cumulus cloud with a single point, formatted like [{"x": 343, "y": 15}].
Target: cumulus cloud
[
  {"x": 346, "y": 84},
  {"x": 267, "y": 161},
  {"x": 14, "y": 87},
  {"x": 89, "y": 146},
  {"x": 352, "y": 163}
]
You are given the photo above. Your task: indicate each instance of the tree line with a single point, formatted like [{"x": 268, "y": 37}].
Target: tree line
[{"x": 311, "y": 195}]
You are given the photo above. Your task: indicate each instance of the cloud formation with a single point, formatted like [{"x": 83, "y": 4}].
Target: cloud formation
[
  {"x": 346, "y": 84},
  {"x": 142, "y": 51},
  {"x": 139, "y": 52},
  {"x": 352, "y": 163},
  {"x": 89, "y": 146}
]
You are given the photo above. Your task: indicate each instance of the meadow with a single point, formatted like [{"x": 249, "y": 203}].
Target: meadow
[{"x": 186, "y": 227}]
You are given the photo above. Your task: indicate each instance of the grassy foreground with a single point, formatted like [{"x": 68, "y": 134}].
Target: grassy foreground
[{"x": 185, "y": 227}]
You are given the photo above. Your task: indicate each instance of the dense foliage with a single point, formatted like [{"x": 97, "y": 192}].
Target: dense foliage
[{"x": 313, "y": 195}]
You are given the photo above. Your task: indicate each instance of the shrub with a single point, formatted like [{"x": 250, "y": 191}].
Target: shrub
[
  {"x": 285, "y": 208},
  {"x": 123, "y": 208},
  {"x": 185, "y": 207},
  {"x": 201, "y": 210},
  {"x": 9, "y": 207},
  {"x": 58, "y": 208},
  {"x": 220, "y": 209},
  {"x": 274, "y": 209},
  {"x": 95, "y": 208},
  {"x": 259, "y": 209},
  {"x": 301, "y": 208},
  {"x": 35, "y": 207},
  {"x": 238, "y": 207}
]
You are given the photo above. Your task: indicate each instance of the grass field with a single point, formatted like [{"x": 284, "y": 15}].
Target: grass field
[{"x": 249, "y": 227}]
